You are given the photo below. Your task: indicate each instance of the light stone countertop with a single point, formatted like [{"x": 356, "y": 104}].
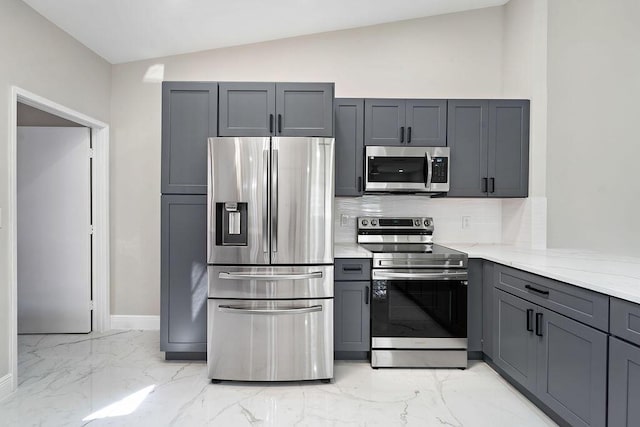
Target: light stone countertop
[{"x": 614, "y": 275}]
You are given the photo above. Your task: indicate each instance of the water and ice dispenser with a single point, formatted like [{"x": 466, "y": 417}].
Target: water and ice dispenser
[{"x": 231, "y": 224}]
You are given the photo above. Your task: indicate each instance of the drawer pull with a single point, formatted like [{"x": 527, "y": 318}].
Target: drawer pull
[
  {"x": 352, "y": 268},
  {"x": 540, "y": 291}
]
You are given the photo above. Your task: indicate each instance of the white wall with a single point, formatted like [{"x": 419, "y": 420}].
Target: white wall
[
  {"x": 41, "y": 58},
  {"x": 450, "y": 56},
  {"x": 524, "y": 75},
  {"x": 593, "y": 187}
]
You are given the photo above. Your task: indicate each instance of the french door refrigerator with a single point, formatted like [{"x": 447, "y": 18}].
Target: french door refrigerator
[{"x": 270, "y": 256}]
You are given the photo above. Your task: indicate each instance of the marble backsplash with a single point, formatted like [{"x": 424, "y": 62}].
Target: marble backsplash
[{"x": 484, "y": 216}]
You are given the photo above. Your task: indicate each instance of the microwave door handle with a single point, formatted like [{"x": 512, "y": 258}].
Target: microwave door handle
[{"x": 429, "y": 171}]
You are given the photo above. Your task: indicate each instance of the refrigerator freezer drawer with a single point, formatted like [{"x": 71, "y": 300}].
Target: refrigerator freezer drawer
[
  {"x": 270, "y": 282},
  {"x": 258, "y": 340}
]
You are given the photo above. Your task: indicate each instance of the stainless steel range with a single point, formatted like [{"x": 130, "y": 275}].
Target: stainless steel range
[{"x": 419, "y": 295}]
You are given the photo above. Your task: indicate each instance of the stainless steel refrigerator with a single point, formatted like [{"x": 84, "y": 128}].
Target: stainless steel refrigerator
[{"x": 270, "y": 256}]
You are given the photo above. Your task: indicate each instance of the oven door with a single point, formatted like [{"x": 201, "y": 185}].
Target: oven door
[{"x": 419, "y": 309}]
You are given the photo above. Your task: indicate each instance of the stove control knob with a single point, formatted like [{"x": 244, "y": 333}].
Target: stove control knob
[
  {"x": 374, "y": 222},
  {"x": 426, "y": 222},
  {"x": 364, "y": 222},
  {"x": 417, "y": 222}
]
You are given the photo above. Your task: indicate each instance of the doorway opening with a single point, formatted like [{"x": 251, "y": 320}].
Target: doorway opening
[{"x": 96, "y": 135}]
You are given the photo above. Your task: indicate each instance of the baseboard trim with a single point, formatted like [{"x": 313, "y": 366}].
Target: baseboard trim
[
  {"x": 5, "y": 386},
  {"x": 145, "y": 323}
]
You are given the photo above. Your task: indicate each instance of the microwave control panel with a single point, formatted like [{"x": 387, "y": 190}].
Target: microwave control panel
[{"x": 440, "y": 170}]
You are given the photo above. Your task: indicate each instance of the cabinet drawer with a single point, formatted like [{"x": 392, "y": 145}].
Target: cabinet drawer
[
  {"x": 580, "y": 304},
  {"x": 625, "y": 320},
  {"x": 352, "y": 269}
]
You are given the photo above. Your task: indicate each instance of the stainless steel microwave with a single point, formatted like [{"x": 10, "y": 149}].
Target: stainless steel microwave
[{"x": 407, "y": 169}]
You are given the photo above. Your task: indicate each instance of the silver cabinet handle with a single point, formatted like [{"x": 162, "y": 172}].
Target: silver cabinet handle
[
  {"x": 429, "y": 170},
  {"x": 265, "y": 201},
  {"x": 269, "y": 312},
  {"x": 249, "y": 276},
  {"x": 274, "y": 202},
  {"x": 418, "y": 276}
]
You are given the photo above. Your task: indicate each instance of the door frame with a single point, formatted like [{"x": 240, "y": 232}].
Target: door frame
[{"x": 100, "y": 201}]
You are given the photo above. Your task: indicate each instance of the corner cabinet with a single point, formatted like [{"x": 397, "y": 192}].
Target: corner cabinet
[
  {"x": 559, "y": 357},
  {"x": 349, "y": 126},
  {"x": 189, "y": 117},
  {"x": 352, "y": 334},
  {"x": 183, "y": 320},
  {"x": 419, "y": 122},
  {"x": 489, "y": 142},
  {"x": 276, "y": 109}
]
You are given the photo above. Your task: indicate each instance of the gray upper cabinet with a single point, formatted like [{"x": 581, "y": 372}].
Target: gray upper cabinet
[
  {"x": 420, "y": 122},
  {"x": 508, "y": 161},
  {"x": 189, "y": 117},
  {"x": 247, "y": 109},
  {"x": 349, "y": 128},
  {"x": 624, "y": 384},
  {"x": 304, "y": 109},
  {"x": 384, "y": 122},
  {"x": 514, "y": 342},
  {"x": 489, "y": 141},
  {"x": 572, "y": 369},
  {"x": 467, "y": 137},
  {"x": 426, "y": 121},
  {"x": 183, "y": 326},
  {"x": 276, "y": 109}
]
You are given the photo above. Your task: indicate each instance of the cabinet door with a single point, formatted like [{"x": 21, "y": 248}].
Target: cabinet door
[
  {"x": 572, "y": 369},
  {"x": 304, "y": 109},
  {"x": 352, "y": 313},
  {"x": 467, "y": 137},
  {"x": 189, "y": 117},
  {"x": 508, "y": 148},
  {"x": 247, "y": 109},
  {"x": 349, "y": 122},
  {"x": 183, "y": 325},
  {"x": 514, "y": 343},
  {"x": 384, "y": 122},
  {"x": 624, "y": 384},
  {"x": 426, "y": 121}
]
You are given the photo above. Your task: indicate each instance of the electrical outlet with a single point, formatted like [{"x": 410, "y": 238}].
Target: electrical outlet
[
  {"x": 344, "y": 220},
  {"x": 466, "y": 222}
]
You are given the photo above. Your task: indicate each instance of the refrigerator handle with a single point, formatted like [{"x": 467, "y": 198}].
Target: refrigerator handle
[
  {"x": 274, "y": 201},
  {"x": 265, "y": 201}
]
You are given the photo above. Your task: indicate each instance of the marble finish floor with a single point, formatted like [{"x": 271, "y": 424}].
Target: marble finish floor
[{"x": 120, "y": 378}]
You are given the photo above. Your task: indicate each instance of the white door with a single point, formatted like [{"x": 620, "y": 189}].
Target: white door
[{"x": 54, "y": 241}]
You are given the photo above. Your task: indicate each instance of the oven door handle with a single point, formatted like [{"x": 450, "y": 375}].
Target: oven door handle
[
  {"x": 269, "y": 312},
  {"x": 440, "y": 275},
  {"x": 248, "y": 276}
]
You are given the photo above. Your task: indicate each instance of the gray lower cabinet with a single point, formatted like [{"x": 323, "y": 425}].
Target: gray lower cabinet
[
  {"x": 624, "y": 384},
  {"x": 349, "y": 128},
  {"x": 352, "y": 314},
  {"x": 489, "y": 142},
  {"x": 276, "y": 109},
  {"x": 419, "y": 122},
  {"x": 514, "y": 341},
  {"x": 559, "y": 360},
  {"x": 572, "y": 369},
  {"x": 474, "y": 306},
  {"x": 183, "y": 326},
  {"x": 487, "y": 308},
  {"x": 189, "y": 117},
  {"x": 352, "y": 309}
]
